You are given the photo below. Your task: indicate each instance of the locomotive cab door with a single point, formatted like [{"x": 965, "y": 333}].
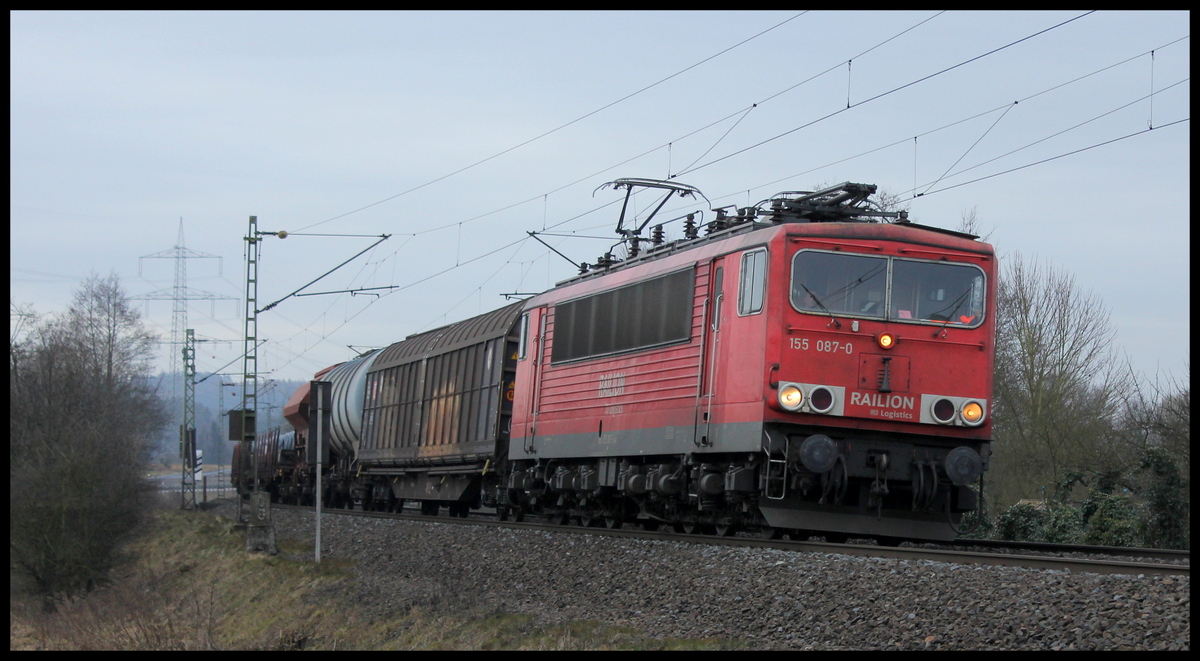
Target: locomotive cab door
[{"x": 710, "y": 351}]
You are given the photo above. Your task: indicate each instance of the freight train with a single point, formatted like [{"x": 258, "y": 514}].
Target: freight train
[{"x": 811, "y": 365}]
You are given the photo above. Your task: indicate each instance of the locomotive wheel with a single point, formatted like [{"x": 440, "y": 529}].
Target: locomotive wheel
[
  {"x": 559, "y": 518},
  {"x": 770, "y": 532},
  {"x": 590, "y": 521},
  {"x": 725, "y": 529},
  {"x": 612, "y": 522}
]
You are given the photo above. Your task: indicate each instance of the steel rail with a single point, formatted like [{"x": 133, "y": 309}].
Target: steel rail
[{"x": 945, "y": 555}]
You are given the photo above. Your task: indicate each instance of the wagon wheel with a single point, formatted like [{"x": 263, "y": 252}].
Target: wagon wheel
[
  {"x": 836, "y": 537},
  {"x": 770, "y": 532},
  {"x": 725, "y": 529},
  {"x": 560, "y": 518},
  {"x": 613, "y": 522},
  {"x": 588, "y": 521}
]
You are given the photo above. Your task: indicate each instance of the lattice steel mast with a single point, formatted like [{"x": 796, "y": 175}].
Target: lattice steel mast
[{"x": 180, "y": 295}]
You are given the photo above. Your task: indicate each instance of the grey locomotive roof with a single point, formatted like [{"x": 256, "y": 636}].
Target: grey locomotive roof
[{"x": 494, "y": 324}]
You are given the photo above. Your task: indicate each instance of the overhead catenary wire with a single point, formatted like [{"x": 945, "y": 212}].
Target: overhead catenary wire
[
  {"x": 325, "y": 335},
  {"x": 974, "y": 144},
  {"x": 1053, "y": 135},
  {"x": 1070, "y": 153},
  {"x": 975, "y": 116},
  {"x": 559, "y": 128},
  {"x": 743, "y": 113},
  {"x": 883, "y": 94},
  {"x": 1005, "y": 107}
]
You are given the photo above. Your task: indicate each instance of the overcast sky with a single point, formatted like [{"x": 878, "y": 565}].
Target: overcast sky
[{"x": 458, "y": 132}]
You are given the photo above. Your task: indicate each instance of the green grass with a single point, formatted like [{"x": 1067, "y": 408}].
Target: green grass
[{"x": 191, "y": 585}]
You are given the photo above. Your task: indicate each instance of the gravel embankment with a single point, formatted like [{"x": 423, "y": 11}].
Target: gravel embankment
[{"x": 770, "y": 599}]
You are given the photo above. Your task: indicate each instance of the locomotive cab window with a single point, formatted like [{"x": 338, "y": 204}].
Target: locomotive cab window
[
  {"x": 753, "y": 282},
  {"x": 839, "y": 283},
  {"x": 936, "y": 292},
  {"x": 905, "y": 290}
]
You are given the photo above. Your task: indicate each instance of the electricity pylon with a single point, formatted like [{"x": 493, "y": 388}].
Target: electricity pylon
[{"x": 180, "y": 294}]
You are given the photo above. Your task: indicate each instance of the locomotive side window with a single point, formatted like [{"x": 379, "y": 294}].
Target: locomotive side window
[
  {"x": 639, "y": 316},
  {"x": 753, "y": 282},
  {"x": 839, "y": 283},
  {"x": 524, "y": 335},
  {"x": 936, "y": 292},
  {"x": 836, "y": 283}
]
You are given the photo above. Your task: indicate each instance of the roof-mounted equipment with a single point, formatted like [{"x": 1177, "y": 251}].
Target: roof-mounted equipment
[
  {"x": 841, "y": 203},
  {"x": 633, "y": 234},
  {"x": 683, "y": 189}
]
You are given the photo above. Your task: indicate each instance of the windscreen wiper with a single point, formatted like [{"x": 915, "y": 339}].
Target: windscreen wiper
[{"x": 822, "y": 305}]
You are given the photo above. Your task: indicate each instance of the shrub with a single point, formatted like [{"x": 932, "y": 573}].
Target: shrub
[
  {"x": 1114, "y": 521},
  {"x": 1063, "y": 525},
  {"x": 1021, "y": 522}
]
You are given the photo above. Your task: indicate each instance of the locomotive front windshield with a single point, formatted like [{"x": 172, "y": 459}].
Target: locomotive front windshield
[{"x": 843, "y": 284}]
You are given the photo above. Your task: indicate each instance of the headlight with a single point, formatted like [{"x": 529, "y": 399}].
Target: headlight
[
  {"x": 972, "y": 413},
  {"x": 820, "y": 399},
  {"x": 943, "y": 411},
  {"x": 886, "y": 341},
  {"x": 791, "y": 397}
]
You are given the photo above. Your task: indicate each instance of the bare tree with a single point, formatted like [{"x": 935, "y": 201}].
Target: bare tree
[
  {"x": 1059, "y": 382},
  {"x": 971, "y": 224},
  {"x": 889, "y": 201},
  {"x": 1171, "y": 422},
  {"x": 1158, "y": 417},
  {"x": 82, "y": 415}
]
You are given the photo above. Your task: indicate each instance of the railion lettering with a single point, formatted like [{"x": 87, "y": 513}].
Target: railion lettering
[{"x": 882, "y": 400}]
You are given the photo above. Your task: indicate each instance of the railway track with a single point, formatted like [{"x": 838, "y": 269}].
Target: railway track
[{"x": 1056, "y": 557}]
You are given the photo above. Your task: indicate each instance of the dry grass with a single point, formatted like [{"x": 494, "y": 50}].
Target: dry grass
[{"x": 191, "y": 586}]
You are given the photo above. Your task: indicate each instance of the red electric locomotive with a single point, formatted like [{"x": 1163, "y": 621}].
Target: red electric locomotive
[
  {"x": 806, "y": 369},
  {"x": 801, "y": 368}
]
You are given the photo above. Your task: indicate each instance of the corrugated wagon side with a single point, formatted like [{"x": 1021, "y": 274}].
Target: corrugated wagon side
[{"x": 436, "y": 415}]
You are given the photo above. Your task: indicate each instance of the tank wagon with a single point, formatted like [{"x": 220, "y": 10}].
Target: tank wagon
[
  {"x": 276, "y": 460},
  {"x": 803, "y": 367}
]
